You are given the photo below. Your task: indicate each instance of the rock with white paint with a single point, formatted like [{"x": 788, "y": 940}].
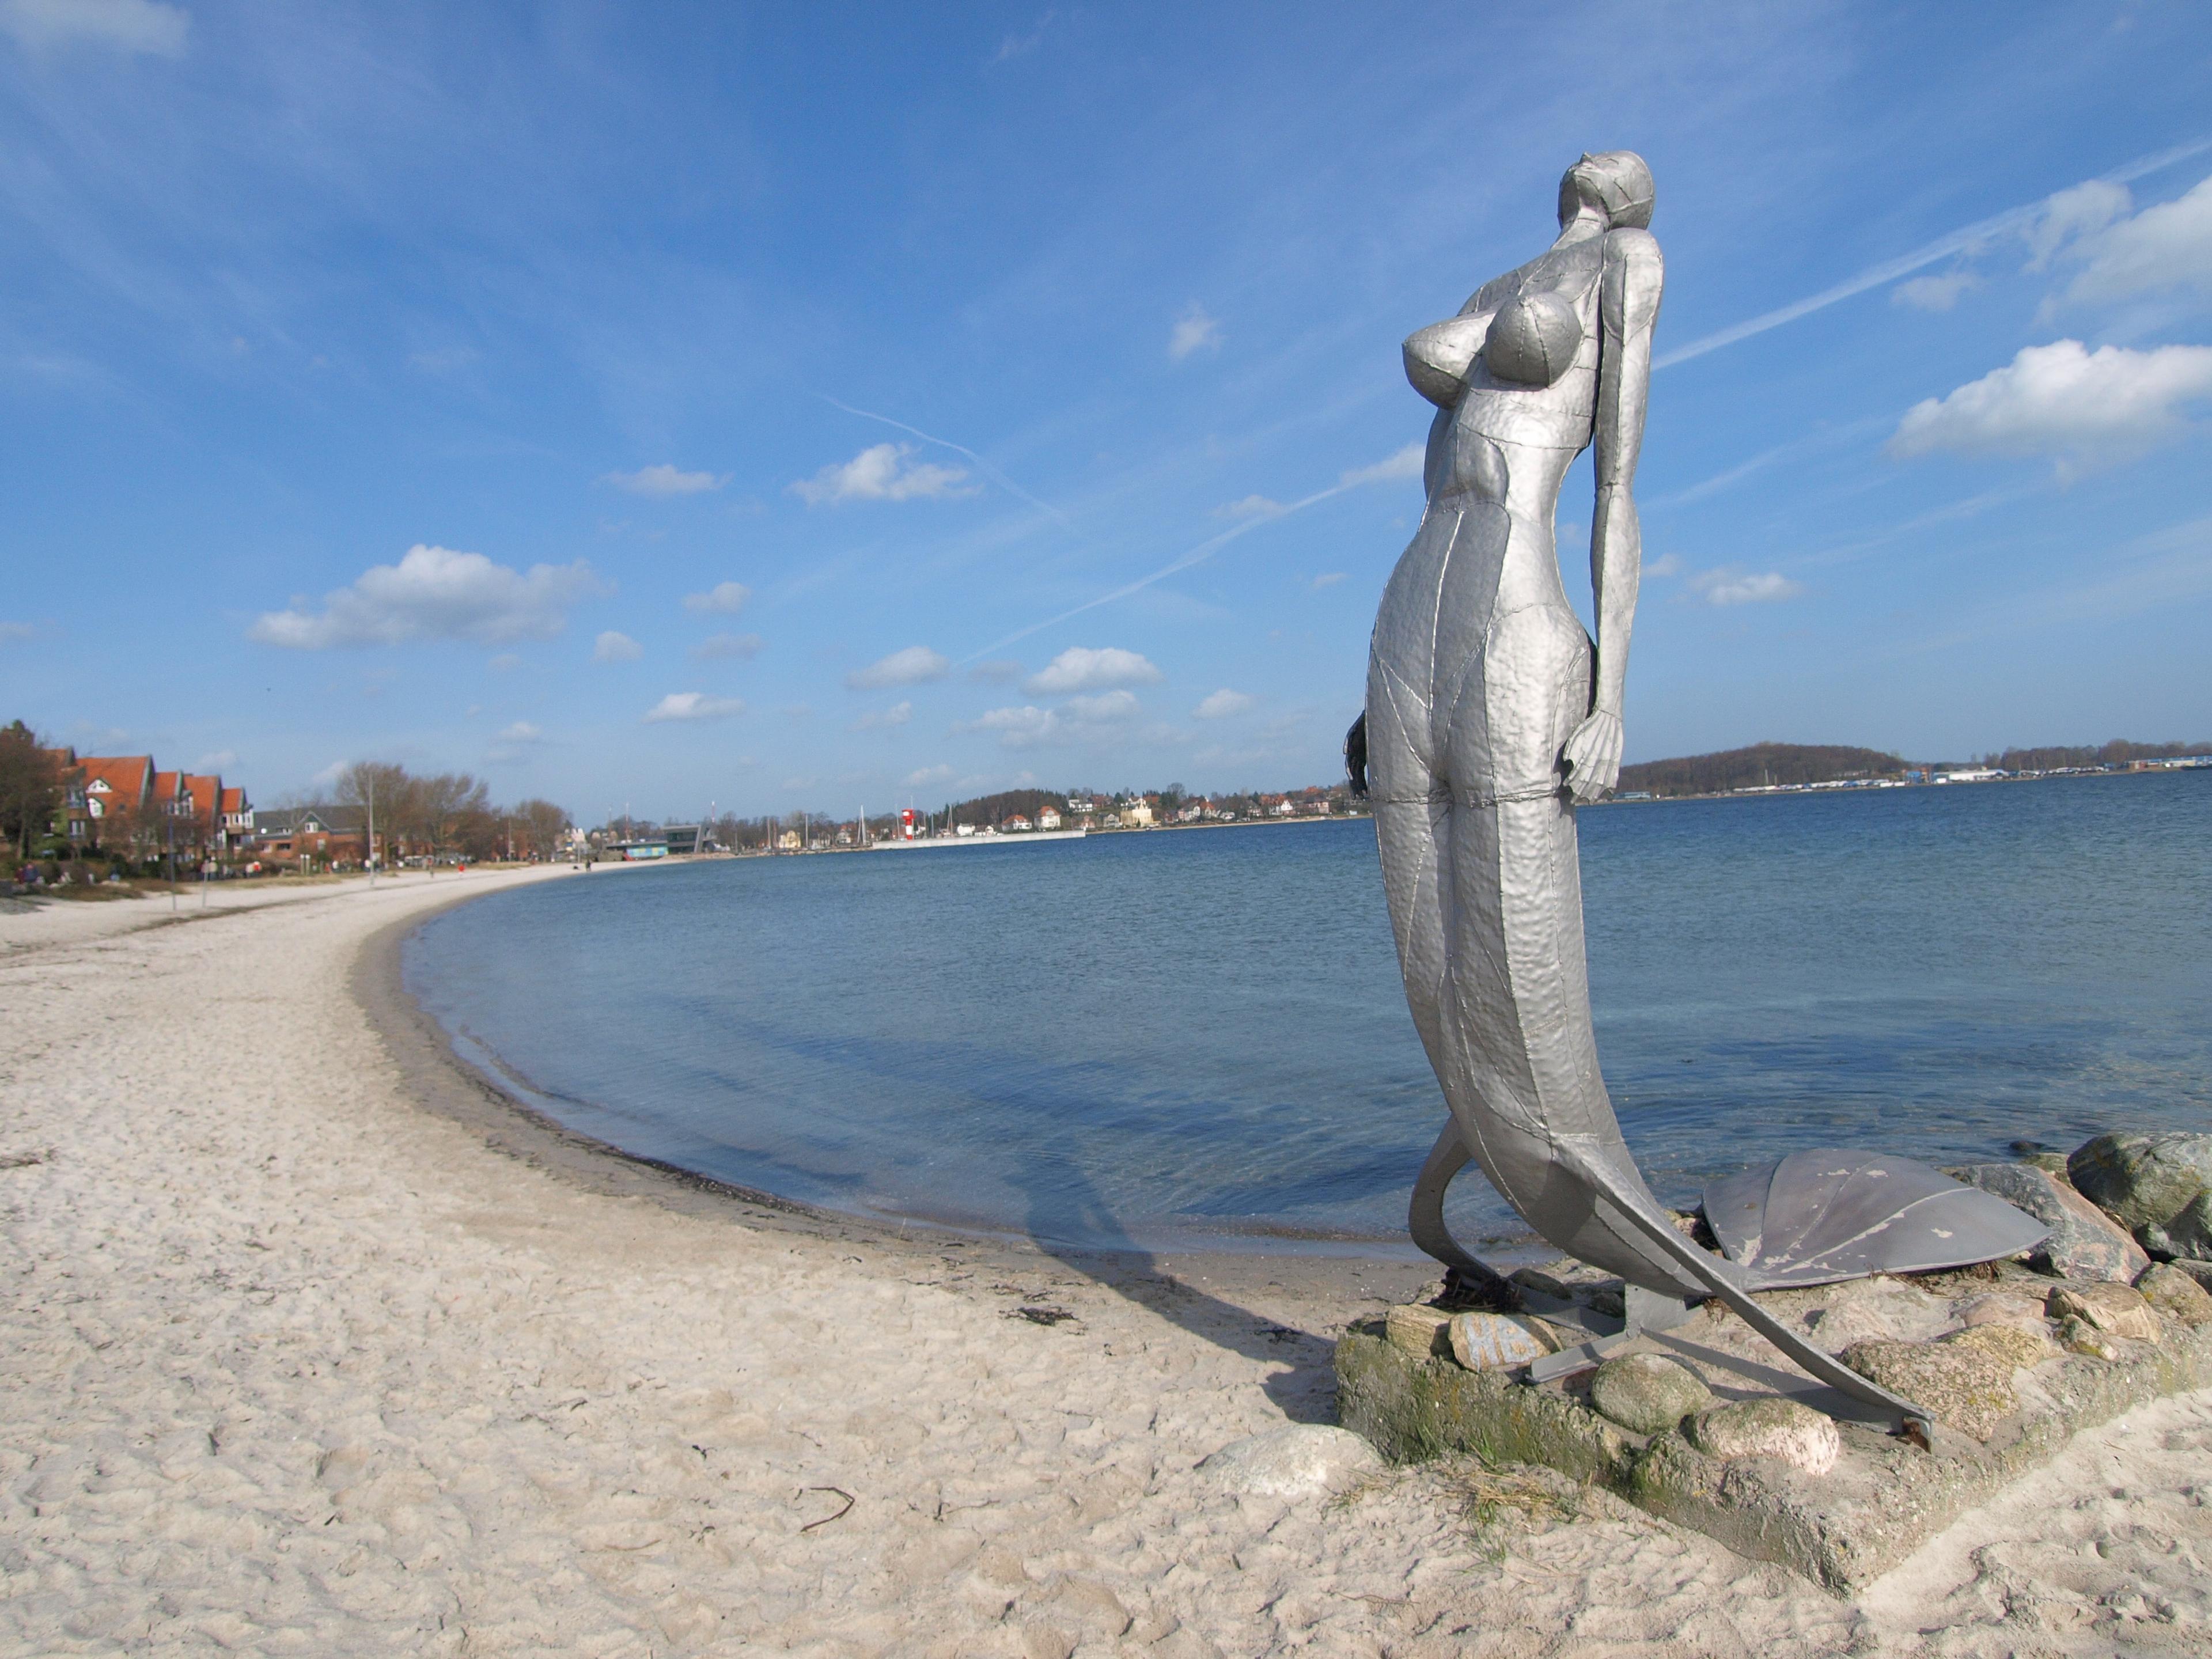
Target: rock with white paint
[{"x": 1499, "y": 1342}]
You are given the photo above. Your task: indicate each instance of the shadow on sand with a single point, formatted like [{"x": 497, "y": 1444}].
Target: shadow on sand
[{"x": 1063, "y": 1201}]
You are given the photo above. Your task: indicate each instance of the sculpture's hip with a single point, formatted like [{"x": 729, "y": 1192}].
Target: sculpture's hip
[
  {"x": 1480, "y": 669},
  {"x": 1480, "y": 672}
]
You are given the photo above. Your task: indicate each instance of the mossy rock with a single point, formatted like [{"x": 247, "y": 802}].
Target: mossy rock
[
  {"x": 1966, "y": 1384},
  {"x": 1647, "y": 1393}
]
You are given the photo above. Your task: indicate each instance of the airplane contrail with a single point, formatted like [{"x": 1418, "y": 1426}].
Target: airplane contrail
[
  {"x": 1204, "y": 550},
  {"x": 996, "y": 477},
  {"x": 1941, "y": 248}
]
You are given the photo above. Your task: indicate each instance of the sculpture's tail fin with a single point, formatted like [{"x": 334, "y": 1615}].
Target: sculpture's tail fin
[{"x": 1820, "y": 1217}]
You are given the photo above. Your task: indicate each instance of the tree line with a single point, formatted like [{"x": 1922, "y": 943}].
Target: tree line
[
  {"x": 448, "y": 814},
  {"x": 1762, "y": 763},
  {"x": 31, "y": 786},
  {"x": 2118, "y": 752}
]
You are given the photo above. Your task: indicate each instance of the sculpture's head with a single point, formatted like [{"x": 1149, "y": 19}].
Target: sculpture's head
[{"x": 1616, "y": 183}]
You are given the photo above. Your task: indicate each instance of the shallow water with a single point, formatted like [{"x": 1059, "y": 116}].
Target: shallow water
[{"x": 1176, "y": 1039}]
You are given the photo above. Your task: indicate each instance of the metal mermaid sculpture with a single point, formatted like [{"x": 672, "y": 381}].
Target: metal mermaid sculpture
[{"x": 1491, "y": 714}]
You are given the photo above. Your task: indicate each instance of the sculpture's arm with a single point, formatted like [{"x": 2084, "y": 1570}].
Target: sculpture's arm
[
  {"x": 1438, "y": 358},
  {"x": 1628, "y": 307}
]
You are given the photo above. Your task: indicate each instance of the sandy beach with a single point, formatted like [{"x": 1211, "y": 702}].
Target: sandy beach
[{"x": 314, "y": 1345}]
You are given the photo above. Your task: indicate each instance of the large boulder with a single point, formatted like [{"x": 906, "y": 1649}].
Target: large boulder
[
  {"x": 2084, "y": 1242},
  {"x": 1648, "y": 1391},
  {"x": 2144, "y": 1181},
  {"x": 1965, "y": 1380},
  {"x": 1298, "y": 1460},
  {"x": 2188, "y": 1235},
  {"x": 2176, "y": 1295},
  {"x": 2115, "y": 1310},
  {"x": 1769, "y": 1427}
]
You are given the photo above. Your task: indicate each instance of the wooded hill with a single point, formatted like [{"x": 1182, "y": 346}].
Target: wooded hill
[
  {"x": 1761, "y": 763},
  {"x": 2118, "y": 752}
]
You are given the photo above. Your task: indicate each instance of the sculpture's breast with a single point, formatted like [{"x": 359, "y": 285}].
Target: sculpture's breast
[
  {"x": 1533, "y": 339},
  {"x": 1535, "y": 382}
]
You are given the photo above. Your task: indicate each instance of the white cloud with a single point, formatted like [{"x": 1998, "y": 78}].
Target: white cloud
[
  {"x": 2168, "y": 245},
  {"x": 1222, "y": 704},
  {"x": 1018, "y": 728},
  {"x": 2082, "y": 211},
  {"x": 883, "y": 720},
  {"x": 504, "y": 661},
  {"x": 1252, "y": 507},
  {"x": 1327, "y": 579},
  {"x": 1668, "y": 564},
  {"x": 1079, "y": 668},
  {"x": 665, "y": 480},
  {"x": 1016, "y": 46},
  {"x": 1405, "y": 464},
  {"x": 1104, "y": 709},
  {"x": 125, "y": 25},
  {"x": 2063, "y": 399},
  {"x": 1741, "y": 588},
  {"x": 522, "y": 732},
  {"x": 611, "y": 646},
  {"x": 914, "y": 665},
  {"x": 883, "y": 472},
  {"x": 434, "y": 594},
  {"x": 1195, "y": 330},
  {"x": 1027, "y": 726},
  {"x": 217, "y": 761},
  {"x": 12, "y": 631},
  {"x": 693, "y": 705},
  {"x": 1934, "y": 293},
  {"x": 722, "y": 600},
  {"x": 926, "y": 774},
  {"x": 717, "y": 646}
]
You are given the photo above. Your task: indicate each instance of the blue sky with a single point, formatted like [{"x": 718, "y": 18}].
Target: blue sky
[{"x": 815, "y": 407}]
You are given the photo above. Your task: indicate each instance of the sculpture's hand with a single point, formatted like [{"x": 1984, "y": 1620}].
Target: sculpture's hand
[{"x": 1593, "y": 756}]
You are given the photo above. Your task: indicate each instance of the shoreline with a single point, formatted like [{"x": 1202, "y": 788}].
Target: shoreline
[
  {"x": 310, "y": 1342},
  {"x": 445, "y": 1084}
]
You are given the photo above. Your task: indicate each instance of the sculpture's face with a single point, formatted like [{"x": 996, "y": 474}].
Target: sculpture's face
[{"x": 1617, "y": 184}]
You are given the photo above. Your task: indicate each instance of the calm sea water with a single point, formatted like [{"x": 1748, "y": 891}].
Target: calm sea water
[{"x": 1171, "y": 1039}]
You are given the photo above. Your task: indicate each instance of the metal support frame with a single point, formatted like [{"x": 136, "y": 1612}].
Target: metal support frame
[{"x": 1646, "y": 1310}]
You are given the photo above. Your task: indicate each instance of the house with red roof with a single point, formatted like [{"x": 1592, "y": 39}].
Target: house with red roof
[
  {"x": 71, "y": 818},
  {"x": 198, "y": 811},
  {"x": 119, "y": 800}
]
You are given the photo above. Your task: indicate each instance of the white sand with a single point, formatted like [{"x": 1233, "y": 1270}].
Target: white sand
[{"x": 294, "y": 1363}]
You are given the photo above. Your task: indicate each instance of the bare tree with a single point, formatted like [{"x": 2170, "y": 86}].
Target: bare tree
[
  {"x": 386, "y": 792},
  {"x": 443, "y": 802},
  {"x": 30, "y": 786},
  {"x": 540, "y": 825}
]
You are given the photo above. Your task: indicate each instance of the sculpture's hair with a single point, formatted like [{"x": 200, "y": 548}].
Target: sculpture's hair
[{"x": 1617, "y": 184}]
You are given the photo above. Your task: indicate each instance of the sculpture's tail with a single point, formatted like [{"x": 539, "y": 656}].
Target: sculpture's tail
[
  {"x": 1820, "y": 1217},
  {"x": 1810, "y": 1219}
]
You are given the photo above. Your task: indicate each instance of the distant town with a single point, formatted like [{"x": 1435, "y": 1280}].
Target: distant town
[
  {"x": 1770, "y": 768},
  {"x": 77, "y": 819}
]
